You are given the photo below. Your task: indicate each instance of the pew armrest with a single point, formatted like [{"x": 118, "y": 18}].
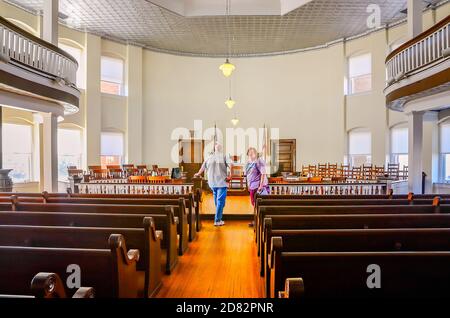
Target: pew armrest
[
  {"x": 293, "y": 289},
  {"x": 133, "y": 255},
  {"x": 117, "y": 244},
  {"x": 276, "y": 247},
  {"x": 84, "y": 292},
  {"x": 47, "y": 285}
]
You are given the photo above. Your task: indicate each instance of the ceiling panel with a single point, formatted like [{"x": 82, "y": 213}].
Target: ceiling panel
[{"x": 141, "y": 22}]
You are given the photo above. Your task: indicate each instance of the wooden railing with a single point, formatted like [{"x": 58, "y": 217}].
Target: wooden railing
[
  {"x": 134, "y": 188},
  {"x": 426, "y": 49},
  {"x": 356, "y": 188},
  {"x": 35, "y": 54}
]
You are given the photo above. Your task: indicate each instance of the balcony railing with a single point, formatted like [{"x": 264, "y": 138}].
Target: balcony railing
[
  {"x": 427, "y": 49},
  {"x": 35, "y": 54}
]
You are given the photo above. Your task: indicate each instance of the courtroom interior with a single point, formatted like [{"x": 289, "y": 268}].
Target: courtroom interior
[{"x": 225, "y": 149}]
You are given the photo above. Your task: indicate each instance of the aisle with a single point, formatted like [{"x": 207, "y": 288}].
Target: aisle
[{"x": 222, "y": 262}]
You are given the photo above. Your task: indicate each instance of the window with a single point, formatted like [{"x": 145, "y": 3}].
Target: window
[
  {"x": 445, "y": 150},
  {"x": 77, "y": 53},
  {"x": 360, "y": 147},
  {"x": 399, "y": 146},
  {"x": 69, "y": 151},
  {"x": 112, "y": 149},
  {"x": 18, "y": 151},
  {"x": 360, "y": 74},
  {"x": 112, "y": 76}
]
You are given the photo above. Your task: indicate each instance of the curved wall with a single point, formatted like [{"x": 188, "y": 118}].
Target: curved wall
[{"x": 301, "y": 94}]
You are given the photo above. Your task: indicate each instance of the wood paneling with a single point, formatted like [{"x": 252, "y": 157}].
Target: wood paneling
[{"x": 221, "y": 263}]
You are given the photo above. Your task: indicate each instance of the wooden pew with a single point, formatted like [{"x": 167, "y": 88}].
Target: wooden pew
[
  {"x": 344, "y": 275},
  {"x": 353, "y": 221},
  {"x": 351, "y": 209},
  {"x": 356, "y": 240},
  {"x": 165, "y": 223},
  {"x": 147, "y": 240},
  {"x": 108, "y": 208},
  {"x": 194, "y": 198},
  {"x": 47, "y": 285},
  {"x": 182, "y": 203},
  {"x": 111, "y": 272}
]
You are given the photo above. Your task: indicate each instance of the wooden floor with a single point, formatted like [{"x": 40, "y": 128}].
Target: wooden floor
[
  {"x": 222, "y": 262},
  {"x": 234, "y": 205}
]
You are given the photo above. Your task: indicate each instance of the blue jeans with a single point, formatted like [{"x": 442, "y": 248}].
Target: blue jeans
[{"x": 220, "y": 195}]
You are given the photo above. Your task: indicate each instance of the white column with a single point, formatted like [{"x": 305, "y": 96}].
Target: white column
[
  {"x": 134, "y": 104},
  {"x": 93, "y": 99},
  {"x": 415, "y": 149},
  {"x": 415, "y": 8},
  {"x": 50, "y": 21},
  {"x": 50, "y": 149}
]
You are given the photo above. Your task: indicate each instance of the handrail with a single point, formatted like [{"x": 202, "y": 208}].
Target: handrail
[
  {"x": 32, "y": 52},
  {"x": 36, "y": 39},
  {"x": 427, "y": 48}
]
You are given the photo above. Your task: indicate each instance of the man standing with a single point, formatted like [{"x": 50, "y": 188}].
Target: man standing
[{"x": 216, "y": 167}]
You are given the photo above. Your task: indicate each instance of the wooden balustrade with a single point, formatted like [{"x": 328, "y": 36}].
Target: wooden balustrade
[
  {"x": 429, "y": 47},
  {"x": 123, "y": 187},
  {"x": 37, "y": 55},
  {"x": 355, "y": 188}
]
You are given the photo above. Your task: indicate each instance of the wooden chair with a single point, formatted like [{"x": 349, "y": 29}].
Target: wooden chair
[
  {"x": 332, "y": 170},
  {"x": 322, "y": 170},
  {"x": 137, "y": 179},
  {"x": 99, "y": 174},
  {"x": 393, "y": 170},
  {"x": 312, "y": 170},
  {"x": 367, "y": 172}
]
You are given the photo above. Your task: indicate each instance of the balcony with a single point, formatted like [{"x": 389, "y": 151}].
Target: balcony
[
  {"x": 420, "y": 67},
  {"x": 36, "y": 71}
]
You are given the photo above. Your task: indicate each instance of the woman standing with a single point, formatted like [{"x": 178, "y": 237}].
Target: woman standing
[{"x": 255, "y": 171}]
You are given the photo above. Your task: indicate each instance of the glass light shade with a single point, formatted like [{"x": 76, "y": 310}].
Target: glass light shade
[
  {"x": 227, "y": 68},
  {"x": 230, "y": 103},
  {"x": 235, "y": 121}
]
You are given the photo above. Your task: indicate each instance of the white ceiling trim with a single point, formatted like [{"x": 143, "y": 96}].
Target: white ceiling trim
[{"x": 201, "y": 8}]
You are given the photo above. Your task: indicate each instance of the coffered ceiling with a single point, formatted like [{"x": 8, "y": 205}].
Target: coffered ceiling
[{"x": 200, "y": 27}]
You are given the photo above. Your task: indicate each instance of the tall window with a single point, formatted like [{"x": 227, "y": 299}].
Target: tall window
[
  {"x": 445, "y": 150},
  {"x": 359, "y": 74},
  {"x": 77, "y": 53},
  {"x": 18, "y": 151},
  {"x": 112, "y": 148},
  {"x": 360, "y": 147},
  {"x": 69, "y": 151},
  {"x": 112, "y": 76},
  {"x": 399, "y": 146}
]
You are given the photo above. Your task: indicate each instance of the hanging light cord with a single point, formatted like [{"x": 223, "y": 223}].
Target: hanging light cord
[{"x": 228, "y": 7}]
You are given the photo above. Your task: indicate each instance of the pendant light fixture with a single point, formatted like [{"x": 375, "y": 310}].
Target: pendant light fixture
[
  {"x": 235, "y": 120},
  {"x": 230, "y": 102},
  {"x": 227, "y": 68}
]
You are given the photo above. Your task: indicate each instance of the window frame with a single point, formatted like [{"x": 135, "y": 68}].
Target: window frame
[
  {"x": 351, "y": 156},
  {"x": 348, "y": 91},
  {"x": 443, "y": 156},
  {"x": 122, "y": 156},
  {"x": 122, "y": 89},
  {"x": 31, "y": 154},
  {"x": 81, "y": 80},
  {"x": 81, "y": 153},
  {"x": 394, "y": 157}
]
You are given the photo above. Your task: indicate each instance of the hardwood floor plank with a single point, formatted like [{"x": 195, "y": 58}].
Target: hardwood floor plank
[{"x": 222, "y": 262}]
